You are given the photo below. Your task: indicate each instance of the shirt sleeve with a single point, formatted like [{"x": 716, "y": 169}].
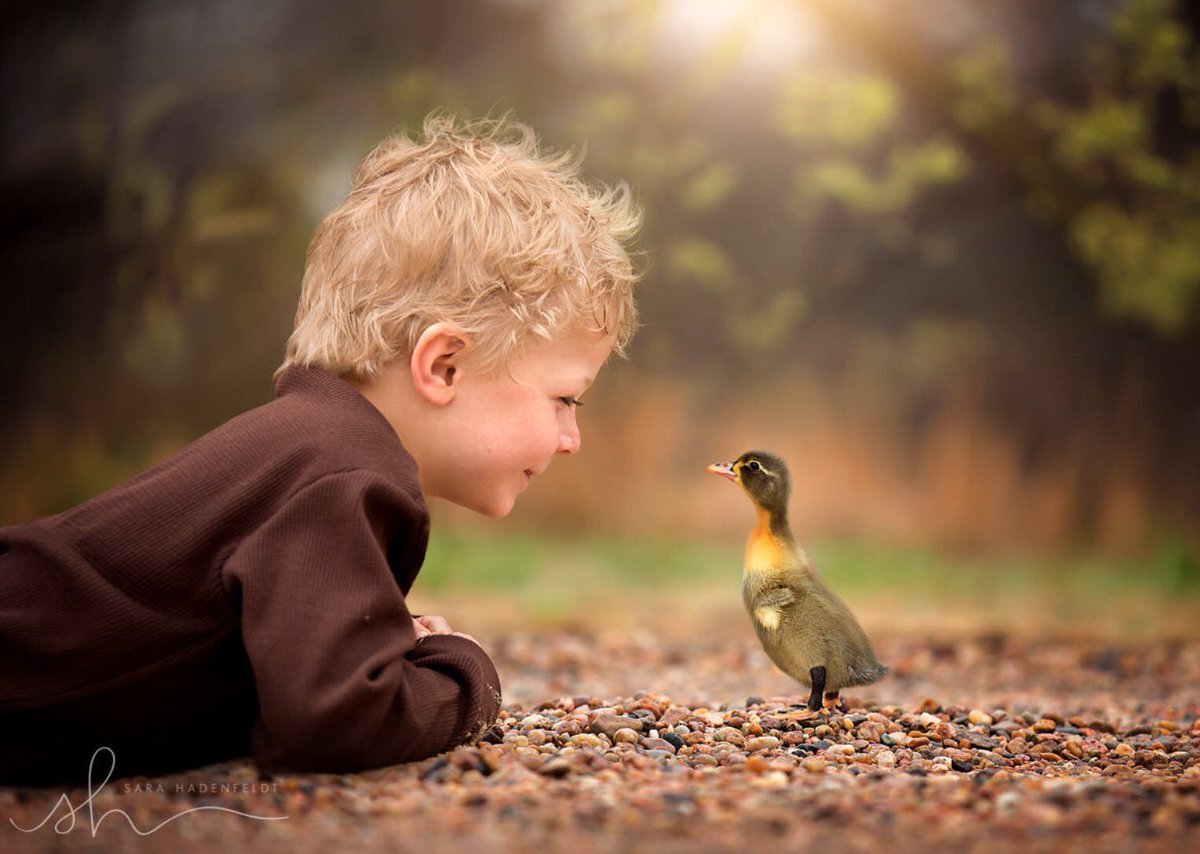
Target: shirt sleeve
[{"x": 343, "y": 684}]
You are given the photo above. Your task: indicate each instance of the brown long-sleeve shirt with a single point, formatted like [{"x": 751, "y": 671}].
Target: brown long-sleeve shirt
[{"x": 247, "y": 595}]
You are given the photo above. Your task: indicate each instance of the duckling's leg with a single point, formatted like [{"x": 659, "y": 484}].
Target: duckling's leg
[
  {"x": 835, "y": 700},
  {"x": 817, "y": 675}
]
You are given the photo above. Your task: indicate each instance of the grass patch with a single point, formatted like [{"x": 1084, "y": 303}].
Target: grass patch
[
  {"x": 521, "y": 561},
  {"x": 458, "y": 560}
]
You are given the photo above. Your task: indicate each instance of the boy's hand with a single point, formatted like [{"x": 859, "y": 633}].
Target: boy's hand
[
  {"x": 431, "y": 626},
  {"x": 425, "y": 626}
]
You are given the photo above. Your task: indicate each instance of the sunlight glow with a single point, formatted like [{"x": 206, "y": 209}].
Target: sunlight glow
[
  {"x": 754, "y": 35},
  {"x": 723, "y": 37}
]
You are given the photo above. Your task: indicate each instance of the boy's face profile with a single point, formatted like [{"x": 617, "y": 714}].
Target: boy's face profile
[
  {"x": 504, "y": 428},
  {"x": 480, "y": 437}
]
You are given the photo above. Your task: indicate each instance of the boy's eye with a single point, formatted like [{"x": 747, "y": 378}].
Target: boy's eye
[{"x": 571, "y": 401}]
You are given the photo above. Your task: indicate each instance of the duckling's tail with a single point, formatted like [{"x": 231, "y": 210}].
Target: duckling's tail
[{"x": 870, "y": 673}]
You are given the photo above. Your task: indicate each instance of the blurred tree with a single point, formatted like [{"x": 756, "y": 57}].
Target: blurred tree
[{"x": 934, "y": 195}]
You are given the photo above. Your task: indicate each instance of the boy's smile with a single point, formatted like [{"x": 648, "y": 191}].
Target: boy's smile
[
  {"x": 480, "y": 438},
  {"x": 505, "y": 427}
]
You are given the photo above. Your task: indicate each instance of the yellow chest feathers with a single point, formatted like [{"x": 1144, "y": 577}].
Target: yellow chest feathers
[{"x": 763, "y": 552}]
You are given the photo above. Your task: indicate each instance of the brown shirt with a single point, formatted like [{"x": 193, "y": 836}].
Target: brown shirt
[{"x": 247, "y": 595}]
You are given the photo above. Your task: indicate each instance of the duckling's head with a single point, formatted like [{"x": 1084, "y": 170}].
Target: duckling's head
[{"x": 763, "y": 475}]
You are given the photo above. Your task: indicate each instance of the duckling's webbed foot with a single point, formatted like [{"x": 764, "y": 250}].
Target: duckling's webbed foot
[
  {"x": 817, "y": 676},
  {"x": 835, "y": 701}
]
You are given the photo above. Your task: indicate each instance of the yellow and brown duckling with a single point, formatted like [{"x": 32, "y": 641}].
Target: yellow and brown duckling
[{"x": 803, "y": 626}]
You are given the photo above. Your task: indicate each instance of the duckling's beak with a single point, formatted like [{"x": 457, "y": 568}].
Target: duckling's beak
[{"x": 724, "y": 470}]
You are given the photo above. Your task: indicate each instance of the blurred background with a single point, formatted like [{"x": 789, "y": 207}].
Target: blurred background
[{"x": 942, "y": 255}]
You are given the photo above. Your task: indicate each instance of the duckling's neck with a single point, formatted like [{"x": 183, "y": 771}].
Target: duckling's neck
[
  {"x": 770, "y": 542},
  {"x": 774, "y": 520}
]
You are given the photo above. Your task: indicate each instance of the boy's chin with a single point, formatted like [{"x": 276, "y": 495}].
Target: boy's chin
[{"x": 496, "y": 509}]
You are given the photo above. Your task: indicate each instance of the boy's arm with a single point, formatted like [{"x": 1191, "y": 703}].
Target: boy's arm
[{"x": 342, "y": 683}]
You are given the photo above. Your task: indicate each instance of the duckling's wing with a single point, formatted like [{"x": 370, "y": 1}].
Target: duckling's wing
[{"x": 769, "y": 606}]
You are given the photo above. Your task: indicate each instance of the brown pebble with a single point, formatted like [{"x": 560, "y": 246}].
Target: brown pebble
[
  {"x": 757, "y": 765},
  {"x": 568, "y": 726},
  {"x": 657, "y": 744},
  {"x": 555, "y": 767},
  {"x": 674, "y": 716},
  {"x": 587, "y": 739},
  {"x": 765, "y": 742},
  {"x": 607, "y": 724},
  {"x": 730, "y": 735}
]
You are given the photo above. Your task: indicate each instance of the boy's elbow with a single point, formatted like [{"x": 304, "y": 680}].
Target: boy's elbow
[{"x": 427, "y": 713}]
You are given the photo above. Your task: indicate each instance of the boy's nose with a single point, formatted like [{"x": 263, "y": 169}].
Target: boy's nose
[{"x": 569, "y": 439}]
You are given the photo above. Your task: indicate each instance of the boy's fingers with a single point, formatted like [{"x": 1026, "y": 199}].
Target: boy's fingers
[{"x": 437, "y": 625}]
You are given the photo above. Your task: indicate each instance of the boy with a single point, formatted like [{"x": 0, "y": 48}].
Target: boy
[{"x": 248, "y": 594}]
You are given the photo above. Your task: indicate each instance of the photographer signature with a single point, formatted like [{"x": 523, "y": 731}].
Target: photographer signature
[{"x": 66, "y": 823}]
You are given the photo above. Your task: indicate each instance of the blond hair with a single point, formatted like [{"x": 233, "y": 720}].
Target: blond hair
[{"x": 473, "y": 225}]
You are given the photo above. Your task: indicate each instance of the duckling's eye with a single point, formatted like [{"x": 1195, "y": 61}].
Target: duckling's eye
[{"x": 754, "y": 466}]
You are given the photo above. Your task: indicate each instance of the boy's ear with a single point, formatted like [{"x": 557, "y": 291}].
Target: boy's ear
[{"x": 435, "y": 362}]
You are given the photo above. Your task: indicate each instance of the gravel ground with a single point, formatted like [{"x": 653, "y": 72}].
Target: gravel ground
[{"x": 638, "y": 741}]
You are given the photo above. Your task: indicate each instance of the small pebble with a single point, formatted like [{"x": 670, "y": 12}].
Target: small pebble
[
  {"x": 1091, "y": 763},
  {"x": 608, "y": 724},
  {"x": 757, "y": 764},
  {"x": 587, "y": 739},
  {"x": 730, "y": 735},
  {"x": 652, "y": 744},
  {"x": 555, "y": 767}
]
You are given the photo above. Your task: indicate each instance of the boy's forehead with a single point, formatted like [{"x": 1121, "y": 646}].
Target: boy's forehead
[{"x": 580, "y": 353}]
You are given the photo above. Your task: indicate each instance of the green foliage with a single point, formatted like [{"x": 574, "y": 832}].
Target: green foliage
[
  {"x": 1148, "y": 267},
  {"x": 1154, "y": 45},
  {"x": 985, "y": 92},
  {"x": 781, "y": 206},
  {"x": 701, "y": 261},
  {"x": 1179, "y": 567},
  {"x": 1131, "y": 211},
  {"x": 559, "y": 575},
  {"x": 912, "y": 170},
  {"x": 710, "y": 187},
  {"x": 767, "y": 329},
  {"x": 851, "y": 112}
]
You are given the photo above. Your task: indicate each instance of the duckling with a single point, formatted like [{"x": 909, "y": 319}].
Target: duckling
[{"x": 803, "y": 626}]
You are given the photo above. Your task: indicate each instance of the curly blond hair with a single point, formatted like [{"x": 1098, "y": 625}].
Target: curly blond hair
[{"x": 470, "y": 224}]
